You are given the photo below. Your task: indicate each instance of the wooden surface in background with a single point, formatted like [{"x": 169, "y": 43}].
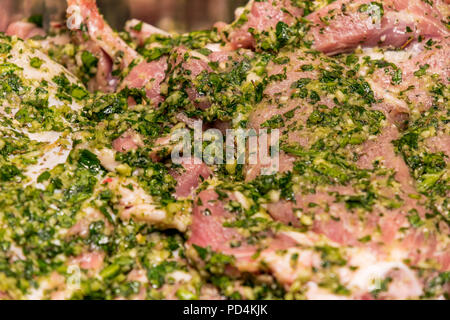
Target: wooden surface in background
[
  {"x": 171, "y": 15},
  {"x": 185, "y": 14}
]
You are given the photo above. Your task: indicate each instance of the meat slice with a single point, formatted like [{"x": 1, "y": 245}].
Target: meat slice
[
  {"x": 208, "y": 231},
  {"x": 440, "y": 143},
  {"x": 140, "y": 30},
  {"x": 133, "y": 202},
  {"x": 130, "y": 140},
  {"x": 148, "y": 75},
  {"x": 99, "y": 30},
  {"x": 412, "y": 93},
  {"x": 24, "y": 30},
  {"x": 344, "y": 25},
  {"x": 190, "y": 177},
  {"x": 188, "y": 64},
  {"x": 257, "y": 17},
  {"x": 86, "y": 217},
  {"x": 103, "y": 80},
  {"x": 89, "y": 260}
]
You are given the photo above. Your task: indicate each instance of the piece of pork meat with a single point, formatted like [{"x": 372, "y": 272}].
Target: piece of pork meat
[
  {"x": 148, "y": 75},
  {"x": 188, "y": 177},
  {"x": 130, "y": 140},
  {"x": 135, "y": 203},
  {"x": 24, "y": 30},
  {"x": 208, "y": 231},
  {"x": 344, "y": 25},
  {"x": 260, "y": 16},
  {"x": 141, "y": 31},
  {"x": 414, "y": 88},
  {"x": 103, "y": 80},
  {"x": 86, "y": 11}
]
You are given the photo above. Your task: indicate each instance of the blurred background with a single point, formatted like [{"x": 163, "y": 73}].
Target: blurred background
[{"x": 170, "y": 15}]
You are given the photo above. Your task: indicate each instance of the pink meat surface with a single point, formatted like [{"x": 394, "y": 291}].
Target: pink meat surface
[
  {"x": 24, "y": 30},
  {"x": 129, "y": 140},
  {"x": 148, "y": 75},
  {"x": 344, "y": 25},
  {"x": 190, "y": 177},
  {"x": 262, "y": 16},
  {"x": 208, "y": 231}
]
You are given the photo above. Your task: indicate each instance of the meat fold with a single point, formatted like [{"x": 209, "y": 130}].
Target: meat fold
[{"x": 344, "y": 25}]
